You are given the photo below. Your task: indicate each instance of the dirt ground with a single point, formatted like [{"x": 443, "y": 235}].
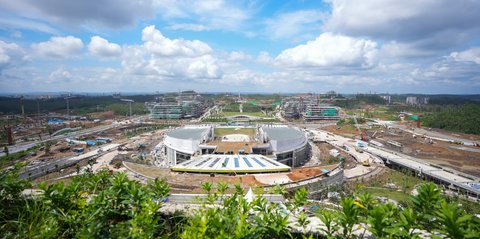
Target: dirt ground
[
  {"x": 304, "y": 173},
  {"x": 459, "y": 157},
  {"x": 346, "y": 130},
  {"x": 326, "y": 158}
]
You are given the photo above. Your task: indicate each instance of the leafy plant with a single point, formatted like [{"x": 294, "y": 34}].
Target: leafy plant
[
  {"x": 329, "y": 220},
  {"x": 348, "y": 216}
]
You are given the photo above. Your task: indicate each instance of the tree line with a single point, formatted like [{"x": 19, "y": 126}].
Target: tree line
[
  {"x": 106, "y": 205},
  {"x": 463, "y": 119}
]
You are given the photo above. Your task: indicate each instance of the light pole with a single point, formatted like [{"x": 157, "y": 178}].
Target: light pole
[{"x": 129, "y": 105}]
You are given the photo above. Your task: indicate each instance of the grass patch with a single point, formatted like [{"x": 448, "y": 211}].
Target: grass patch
[
  {"x": 226, "y": 131},
  {"x": 387, "y": 193},
  {"x": 404, "y": 183},
  {"x": 227, "y": 114}
]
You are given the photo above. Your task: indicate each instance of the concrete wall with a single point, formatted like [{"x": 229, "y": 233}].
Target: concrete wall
[{"x": 317, "y": 184}]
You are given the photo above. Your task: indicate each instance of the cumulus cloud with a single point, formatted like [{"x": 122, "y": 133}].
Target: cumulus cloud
[
  {"x": 238, "y": 56},
  {"x": 398, "y": 50},
  {"x": 450, "y": 72},
  {"x": 60, "y": 75},
  {"x": 331, "y": 50},
  {"x": 10, "y": 54},
  {"x": 108, "y": 13},
  {"x": 162, "y": 58},
  {"x": 291, "y": 25},
  {"x": 264, "y": 58},
  {"x": 470, "y": 55},
  {"x": 101, "y": 47},
  {"x": 59, "y": 47},
  {"x": 156, "y": 43},
  {"x": 402, "y": 20}
]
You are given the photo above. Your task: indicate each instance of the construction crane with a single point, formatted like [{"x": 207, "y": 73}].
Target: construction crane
[
  {"x": 362, "y": 133},
  {"x": 68, "y": 104},
  {"x": 22, "y": 107},
  {"x": 129, "y": 105}
]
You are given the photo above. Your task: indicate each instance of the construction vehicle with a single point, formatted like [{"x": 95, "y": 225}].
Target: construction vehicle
[
  {"x": 366, "y": 163},
  {"x": 362, "y": 133}
]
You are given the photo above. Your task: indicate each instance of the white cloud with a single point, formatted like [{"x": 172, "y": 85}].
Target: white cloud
[
  {"x": 161, "y": 58},
  {"x": 331, "y": 50},
  {"x": 264, "y": 58},
  {"x": 101, "y": 47},
  {"x": 156, "y": 43},
  {"x": 10, "y": 54},
  {"x": 472, "y": 55},
  {"x": 210, "y": 14},
  {"x": 238, "y": 56},
  {"x": 60, "y": 75},
  {"x": 188, "y": 27},
  {"x": 421, "y": 27},
  {"x": 294, "y": 24},
  {"x": 105, "y": 13},
  {"x": 59, "y": 47},
  {"x": 397, "y": 50},
  {"x": 22, "y": 23}
]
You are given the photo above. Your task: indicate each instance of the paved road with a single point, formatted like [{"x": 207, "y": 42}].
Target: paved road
[
  {"x": 422, "y": 131},
  {"x": 17, "y": 148},
  {"x": 40, "y": 168}
]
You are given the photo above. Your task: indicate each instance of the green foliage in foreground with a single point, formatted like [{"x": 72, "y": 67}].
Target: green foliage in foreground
[
  {"x": 105, "y": 205},
  {"x": 455, "y": 118}
]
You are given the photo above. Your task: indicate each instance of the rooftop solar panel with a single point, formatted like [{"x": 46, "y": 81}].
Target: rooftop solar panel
[
  {"x": 214, "y": 162},
  {"x": 225, "y": 162},
  {"x": 258, "y": 161},
  {"x": 237, "y": 164},
  {"x": 247, "y": 162},
  {"x": 202, "y": 162}
]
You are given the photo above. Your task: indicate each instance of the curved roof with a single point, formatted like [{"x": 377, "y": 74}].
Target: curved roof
[
  {"x": 282, "y": 133},
  {"x": 196, "y": 133}
]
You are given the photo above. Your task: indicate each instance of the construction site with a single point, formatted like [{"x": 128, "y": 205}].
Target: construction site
[
  {"x": 312, "y": 107},
  {"x": 405, "y": 137},
  {"x": 249, "y": 145},
  {"x": 186, "y": 104}
]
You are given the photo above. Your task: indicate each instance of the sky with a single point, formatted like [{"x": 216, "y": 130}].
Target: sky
[{"x": 350, "y": 46}]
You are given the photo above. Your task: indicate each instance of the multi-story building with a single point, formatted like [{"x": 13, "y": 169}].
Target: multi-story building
[
  {"x": 321, "y": 112},
  {"x": 417, "y": 100},
  {"x": 186, "y": 104},
  {"x": 165, "y": 110}
]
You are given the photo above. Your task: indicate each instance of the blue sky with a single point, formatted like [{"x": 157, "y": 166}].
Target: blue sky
[{"x": 251, "y": 46}]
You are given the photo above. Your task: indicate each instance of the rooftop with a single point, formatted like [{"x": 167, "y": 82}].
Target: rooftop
[
  {"x": 282, "y": 133},
  {"x": 195, "y": 133},
  {"x": 217, "y": 163}
]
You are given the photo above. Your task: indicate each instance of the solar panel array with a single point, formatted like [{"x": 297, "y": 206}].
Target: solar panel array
[{"x": 223, "y": 164}]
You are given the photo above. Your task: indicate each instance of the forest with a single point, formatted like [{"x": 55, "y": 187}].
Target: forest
[
  {"x": 78, "y": 104},
  {"x": 463, "y": 118},
  {"x": 110, "y": 205}
]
